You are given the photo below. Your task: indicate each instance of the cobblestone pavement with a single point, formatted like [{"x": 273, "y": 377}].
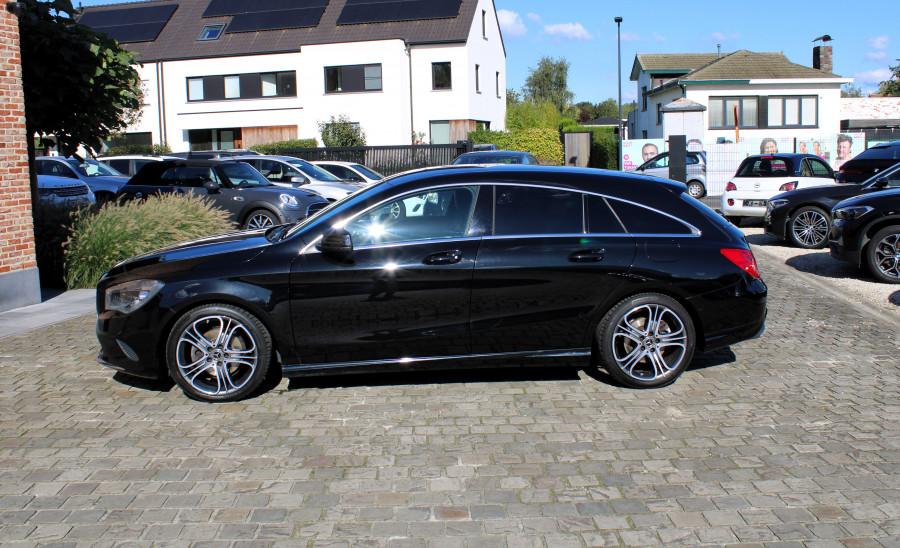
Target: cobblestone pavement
[{"x": 788, "y": 440}]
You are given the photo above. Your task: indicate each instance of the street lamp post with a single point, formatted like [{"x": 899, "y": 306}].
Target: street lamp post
[{"x": 618, "y": 21}]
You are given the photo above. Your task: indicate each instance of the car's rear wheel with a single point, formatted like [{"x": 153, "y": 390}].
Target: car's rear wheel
[
  {"x": 809, "y": 227},
  {"x": 696, "y": 189},
  {"x": 260, "y": 218},
  {"x": 883, "y": 255},
  {"x": 218, "y": 353},
  {"x": 646, "y": 341}
]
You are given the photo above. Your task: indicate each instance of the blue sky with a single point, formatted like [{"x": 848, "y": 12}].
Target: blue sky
[{"x": 583, "y": 32}]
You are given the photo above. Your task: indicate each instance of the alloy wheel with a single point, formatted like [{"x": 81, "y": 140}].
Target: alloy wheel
[
  {"x": 649, "y": 343},
  {"x": 809, "y": 228},
  {"x": 887, "y": 256},
  {"x": 216, "y": 355}
]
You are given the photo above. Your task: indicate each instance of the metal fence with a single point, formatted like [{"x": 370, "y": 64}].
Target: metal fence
[{"x": 387, "y": 160}]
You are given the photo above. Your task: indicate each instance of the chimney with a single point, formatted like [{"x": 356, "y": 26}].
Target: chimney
[{"x": 822, "y": 54}]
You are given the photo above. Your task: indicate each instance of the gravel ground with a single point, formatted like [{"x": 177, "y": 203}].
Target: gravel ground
[{"x": 853, "y": 284}]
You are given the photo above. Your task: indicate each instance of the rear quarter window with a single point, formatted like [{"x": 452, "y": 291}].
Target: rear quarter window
[{"x": 642, "y": 220}]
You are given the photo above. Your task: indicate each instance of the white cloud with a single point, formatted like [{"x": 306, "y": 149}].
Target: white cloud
[
  {"x": 876, "y": 56},
  {"x": 871, "y": 77},
  {"x": 879, "y": 42},
  {"x": 721, "y": 37},
  {"x": 659, "y": 38},
  {"x": 630, "y": 37},
  {"x": 570, "y": 31},
  {"x": 535, "y": 17},
  {"x": 511, "y": 23}
]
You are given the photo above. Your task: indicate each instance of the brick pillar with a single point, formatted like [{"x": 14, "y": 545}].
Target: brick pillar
[{"x": 19, "y": 281}]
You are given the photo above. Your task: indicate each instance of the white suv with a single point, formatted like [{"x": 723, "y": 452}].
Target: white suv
[{"x": 761, "y": 177}]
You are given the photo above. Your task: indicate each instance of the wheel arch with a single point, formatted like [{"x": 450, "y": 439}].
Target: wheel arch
[
  {"x": 248, "y": 209},
  {"x": 869, "y": 232}
]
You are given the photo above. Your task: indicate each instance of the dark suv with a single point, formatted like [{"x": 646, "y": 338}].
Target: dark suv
[
  {"x": 233, "y": 186},
  {"x": 869, "y": 162},
  {"x": 866, "y": 231}
]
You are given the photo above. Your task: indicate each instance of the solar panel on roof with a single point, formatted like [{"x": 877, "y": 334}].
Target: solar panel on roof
[
  {"x": 386, "y": 11},
  {"x": 139, "y": 24},
  {"x": 217, "y": 8},
  {"x": 275, "y": 20}
]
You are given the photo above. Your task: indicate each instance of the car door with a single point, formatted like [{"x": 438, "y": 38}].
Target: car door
[
  {"x": 815, "y": 172},
  {"x": 546, "y": 269},
  {"x": 405, "y": 292}
]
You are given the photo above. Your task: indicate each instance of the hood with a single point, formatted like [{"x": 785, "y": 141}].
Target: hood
[
  {"x": 230, "y": 248},
  {"x": 826, "y": 191}
]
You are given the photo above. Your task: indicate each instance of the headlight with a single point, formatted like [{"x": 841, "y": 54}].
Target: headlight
[
  {"x": 774, "y": 204},
  {"x": 851, "y": 213},
  {"x": 289, "y": 201},
  {"x": 130, "y": 296}
]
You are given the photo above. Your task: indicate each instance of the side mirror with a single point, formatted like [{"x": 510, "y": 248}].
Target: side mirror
[
  {"x": 298, "y": 179},
  {"x": 355, "y": 179},
  {"x": 882, "y": 182},
  {"x": 211, "y": 187},
  {"x": 337, "y": 244}
]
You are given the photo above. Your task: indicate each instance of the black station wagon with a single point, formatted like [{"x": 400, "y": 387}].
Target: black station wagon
[{"x": 440, "y": 268}]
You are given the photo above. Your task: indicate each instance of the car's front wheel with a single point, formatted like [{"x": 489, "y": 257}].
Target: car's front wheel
[
  {"x": 218, "y": 353},
  {"x": 809, "y": 228},
  {"x": 696, "y": 189},
  {"x": 260, "y": 218},
  {"x": 646, "y": 341},
  {"x": 883, "y": 255}
]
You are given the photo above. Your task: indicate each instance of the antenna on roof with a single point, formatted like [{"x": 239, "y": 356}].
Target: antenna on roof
[{"x": 719, "y": 51}]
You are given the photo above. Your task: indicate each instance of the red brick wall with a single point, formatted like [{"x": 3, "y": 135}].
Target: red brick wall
[{"x": 16, "y": 232}]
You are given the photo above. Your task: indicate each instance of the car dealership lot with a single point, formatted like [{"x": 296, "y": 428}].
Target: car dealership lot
[{"x": 792, "y": 438}]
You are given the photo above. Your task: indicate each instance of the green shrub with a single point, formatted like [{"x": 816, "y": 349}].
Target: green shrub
[
  {"x": 156, "y": 150},
  {"x": 543, "y": 143},
  {"x": 100, "y": 239},
  {"x": 52, "y": 226},
  {"x": 276, "y": 148},
  {"x": 341, "y": 132}
]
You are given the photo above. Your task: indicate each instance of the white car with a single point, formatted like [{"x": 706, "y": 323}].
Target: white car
[
  {"x": 761, "y": 177},
  {"x": 64, "y": 191},
  {"x": 350, "y": 171},
  {"x": 129, "y": 164},
  {"x": 290, "y": 172}
]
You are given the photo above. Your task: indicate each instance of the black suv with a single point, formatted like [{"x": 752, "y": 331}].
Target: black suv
[
  {"x": 866, "y": 231},
  {"x": 869, "y": 162},
  {"x": 233, "y": 186}
]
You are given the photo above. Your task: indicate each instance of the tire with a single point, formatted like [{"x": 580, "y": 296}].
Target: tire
[
  {"x": 883, "y": 255},
  {"x": 260, "y": 218},
  {"x": 696, "y": 189},
  {"x": 397, "y": 211},
  {"x": 210, "y": 367},
  {"x": 736, "y": 221},
  {"x": 808, "y": 228},
  {"x": 104, "y": 198},
  {"x": 639, "y": 354}
]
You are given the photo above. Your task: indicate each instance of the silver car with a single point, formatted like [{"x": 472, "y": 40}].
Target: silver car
[
  {"x": 290, "y": 172},
  {"x": 658, "y": 166}
]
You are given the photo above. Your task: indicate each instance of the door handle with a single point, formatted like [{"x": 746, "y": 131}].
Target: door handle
[
  {"x": 445, "y": 257},
  {"x": 588, "y": 256}
]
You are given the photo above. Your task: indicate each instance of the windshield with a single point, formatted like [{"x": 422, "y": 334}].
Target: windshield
[
  {"x": 314, "y": 172},
  {"x": 93, "y": 168},
  {"x": 370, "y": 173},
  {"x": 242, "y": 175}
]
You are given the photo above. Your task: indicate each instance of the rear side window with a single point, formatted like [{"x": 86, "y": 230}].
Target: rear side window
[
  {"x": 641, "y": 220},
  {"x": 765, "y": 167},
  {"x": 529, "y": 210},
  {"x": 881, "y": 153},
  {"x": 120, "y": 165},
  {"x": 601, "y": 219}
]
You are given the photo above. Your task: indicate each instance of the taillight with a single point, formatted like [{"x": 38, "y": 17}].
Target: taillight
[
  {"x": 788, "y": 186},
  {"x": 744, "y": 260},
  {"x": 730, "y": 186}
]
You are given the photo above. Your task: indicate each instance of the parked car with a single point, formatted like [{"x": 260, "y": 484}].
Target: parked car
[
  {"x": 866, "y": 232},
  {"x": 762, "y": 176},
  {"x": 803, "y": 216},
  {"x": 129, "y": 164},
  {"x": 103, "y": 180},
  {"x": 869, "y": 162},
  {"x": 289, "y": 172},
  {"x": 350, "y": 171},
  {"x": 496, "y": 157},
  {"x": 233, "y": 186},
  {"x": 567, "y": 259},
  {"x": 658, "y": 166},
  {"x": 64, "y": 191}
]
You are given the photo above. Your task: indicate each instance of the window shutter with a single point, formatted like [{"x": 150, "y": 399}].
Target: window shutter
[{"x": 763, "y": 112}]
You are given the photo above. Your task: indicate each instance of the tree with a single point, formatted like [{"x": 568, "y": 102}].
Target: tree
[
  {"x": 341, "y": 132},
  {"x": 549, "y": 82},
  {"x": 529, "y": 115},
  {"x": 891, "y": 86},
  {"x": 849, "y": 90}
]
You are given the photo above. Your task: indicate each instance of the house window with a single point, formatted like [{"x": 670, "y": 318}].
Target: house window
[
  {"x": 195, "y": 89},
  {"x": 243, "y": 86},
  {"x": 643, "y": 98},
  {"x": 278, "y": 84},
  {"x": 353, "y": 78},
  {"x": 440, "y": 132},
  {"x": 440, "y": 76},
  {"x": 497, "y": 83},
  {"x": 211, "y": 32},
  {"x": 721, "y": 112},
  {"x": 658, "y": 113},
  {"x": 793, "y": 111},
  {"x": 232, "y": 87},
  {"x": 477, "y": 79},
  {"x": 214, "y": 139}
]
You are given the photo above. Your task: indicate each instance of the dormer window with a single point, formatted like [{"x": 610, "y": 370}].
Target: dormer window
[{"x": 211, "y": 32}]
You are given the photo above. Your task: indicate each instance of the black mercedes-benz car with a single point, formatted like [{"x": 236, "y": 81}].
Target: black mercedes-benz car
[
  {"x": 869, "y": 162},
  {"x": 440, "y": 268},
  {"x": 866, "y": 231},
  {"x": 234, "y": 186},
  {"x": 803, "y": 216}
]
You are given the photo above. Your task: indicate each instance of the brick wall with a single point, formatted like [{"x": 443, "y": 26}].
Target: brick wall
[{"x": 18, "y": 267}]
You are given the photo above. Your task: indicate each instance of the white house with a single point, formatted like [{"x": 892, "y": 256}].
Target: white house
[
  {"x": 222, "y": 74},
  {"x": 763, "y": 94}
]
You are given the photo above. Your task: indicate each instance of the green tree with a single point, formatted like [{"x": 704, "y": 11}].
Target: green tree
[
  {"x": 585, "y": 111},
  {"x": 610, "y": 108},
  {"x": 529, "y": 115},
  {"x": 80, "y": 86},
  {"x": 549, "y": 82},
  {"x": 341, "y": 132},
  {"x": 849, "y": 90},
  {"x": 891, "y": 86}
]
